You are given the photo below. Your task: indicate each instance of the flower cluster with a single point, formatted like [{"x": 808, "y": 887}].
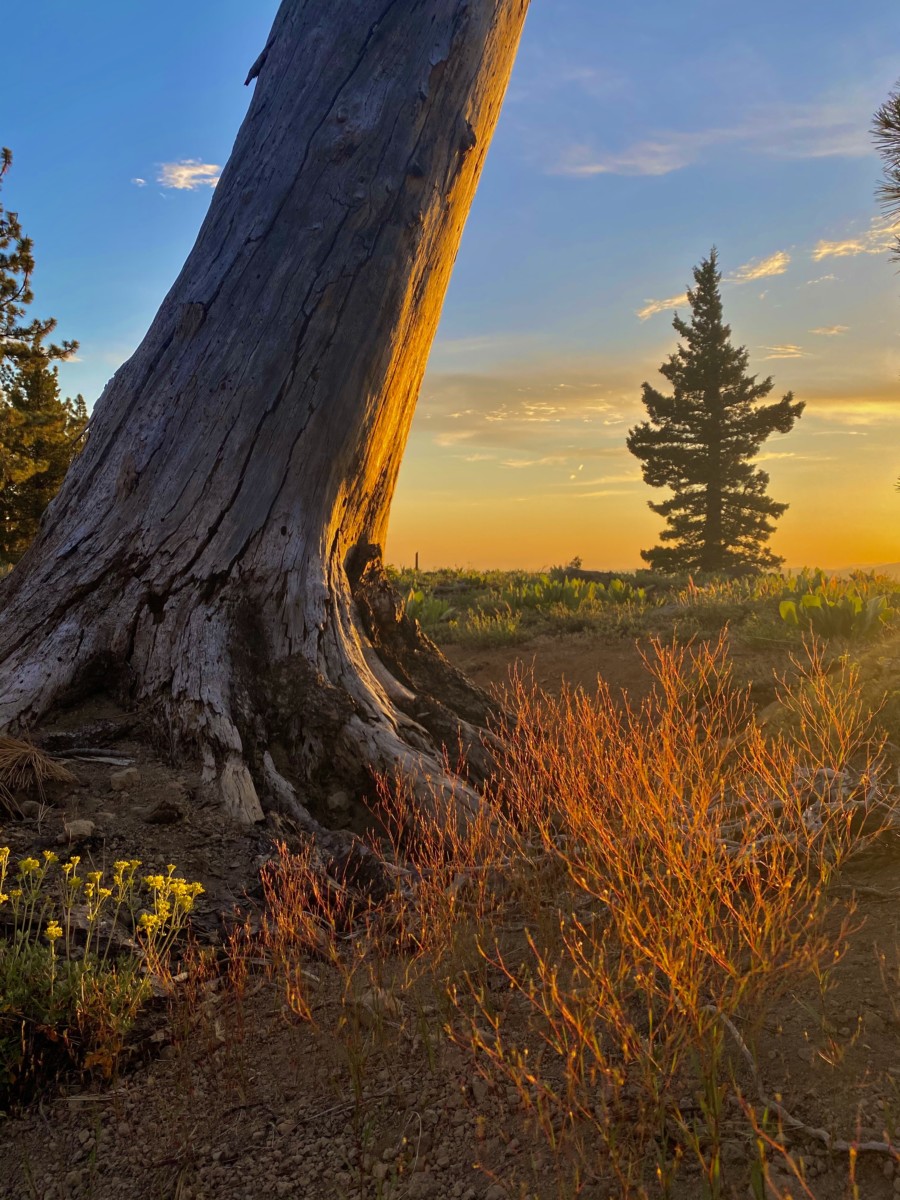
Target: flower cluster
[{"x": 157, "y": 905}]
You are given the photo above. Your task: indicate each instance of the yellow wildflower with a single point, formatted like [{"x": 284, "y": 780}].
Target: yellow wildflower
[
  {"x": 27, "y": 865},
  {"x": 15, "y": 893},
  {"x": 104, "y": 893},
  {"x": 3, "y": 897},
  {"x": 50, "y": 857},
  {"x": 53, "y": 931},
  {"x": 95, "y": 876}
]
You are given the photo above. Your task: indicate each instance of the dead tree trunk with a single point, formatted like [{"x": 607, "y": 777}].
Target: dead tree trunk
[{"x": 216, "y": 548}]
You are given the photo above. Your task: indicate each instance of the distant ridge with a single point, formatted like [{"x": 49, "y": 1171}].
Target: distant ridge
[{"x": 892, "y": 569}]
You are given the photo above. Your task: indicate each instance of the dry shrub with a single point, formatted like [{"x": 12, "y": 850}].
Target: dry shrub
[
  {"x": 697, "y": 852},
  {"x": 638, "y": 886}
]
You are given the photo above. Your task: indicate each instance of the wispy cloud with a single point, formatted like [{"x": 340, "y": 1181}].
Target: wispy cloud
[
  {"x": 880, "y": 237},
  {"x": 138, "y": 182},
  {"x": 762, "y": 268},
  {"x": 821, "y": 279},
  {"x": 549, "y": 460},
  {"x": 188, "y": 174},
  {"x": 758, "y": 268},
  {"x": 652, "y": 307},
  {"x": 786, "y": 351},
  {"x": 830, "y": 330},
  {"x": 824, "y": 129},
  {"x": 651, "y": 157}
]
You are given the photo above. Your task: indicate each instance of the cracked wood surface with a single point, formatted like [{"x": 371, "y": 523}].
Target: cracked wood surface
[{"x": 255, "y": 436}]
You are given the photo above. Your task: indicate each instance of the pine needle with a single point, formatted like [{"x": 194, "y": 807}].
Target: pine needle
[{"x": 24, "y": 766}]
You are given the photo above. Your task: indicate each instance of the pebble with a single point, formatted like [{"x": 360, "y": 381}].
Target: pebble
[
  {"x": 338, "y": 802},
  {"x": 121, "y": 781},
  {"x": 76, "y": 831}
]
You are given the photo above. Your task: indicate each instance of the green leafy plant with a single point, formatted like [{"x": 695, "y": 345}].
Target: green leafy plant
[
  {"x": 850, "y": 616},
  {"x": 76, "y": 959},
  {"x": 427, "y": 609}
]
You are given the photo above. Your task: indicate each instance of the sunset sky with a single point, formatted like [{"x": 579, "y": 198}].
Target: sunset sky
[{"x": 633, "y": 139}]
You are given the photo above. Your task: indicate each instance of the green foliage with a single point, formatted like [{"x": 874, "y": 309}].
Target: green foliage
[
  {"x": 39, "y": 431},
  {"x": 700, "y": 442},
  {"x": 848, "y": 617},
  {"x": 856, "y": 607},
  {"x": 70, "y": 988},
  {"x": 428, "y": 610},
  {"x": 572, "y": 594},
  {"x": 502, "y": 628},
  {"x": 505, "y": 607}
]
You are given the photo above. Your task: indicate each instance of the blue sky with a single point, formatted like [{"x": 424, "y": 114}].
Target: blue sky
[{"x": 633, "y": 138}]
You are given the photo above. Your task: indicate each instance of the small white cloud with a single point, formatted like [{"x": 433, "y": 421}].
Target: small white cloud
[
  {"x": 138, "y": 182},
  {"x": 786, "y": 351},
  {"x": 775, "y": 264},
  {"x": 551, "y": 460},
  {"x": 652, "y": 307},
  {"x": 830, "y": 330},
  {"x": 188, "y": 174}
]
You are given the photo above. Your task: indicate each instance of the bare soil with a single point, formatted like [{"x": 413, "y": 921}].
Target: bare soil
[{"x": 239, "y": 1099}]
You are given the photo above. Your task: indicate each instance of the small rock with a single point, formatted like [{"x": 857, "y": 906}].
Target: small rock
[
  {"x": 338, "y": 802},
  {"x": 77, "y": 831},
  {"x": 420, "y": 1187},
  {"x": 479, "y": 1090},
  {"x": 496, "y": 1192},
  {"x": 380, "y": 1171},
  {"x": 164, "y": 813},
  {"x": 121, "y": 781}
]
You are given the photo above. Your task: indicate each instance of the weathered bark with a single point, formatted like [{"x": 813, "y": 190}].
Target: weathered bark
[{"x": 216, "y": 548}]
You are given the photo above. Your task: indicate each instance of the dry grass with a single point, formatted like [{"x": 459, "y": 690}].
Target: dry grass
[
  {"x": 23, "y": 767},
  {"x": 640, "y": 887},
  {"x": 641, "y": 879}
]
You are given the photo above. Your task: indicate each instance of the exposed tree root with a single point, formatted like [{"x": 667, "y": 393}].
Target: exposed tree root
[{"x": 357, "y": 698}]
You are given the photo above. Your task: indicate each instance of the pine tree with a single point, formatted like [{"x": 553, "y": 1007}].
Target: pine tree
[
  {"x": 886, "y": 129},
  {"x": 701, "y": 440},
  {"x": 39, "y": 432}
]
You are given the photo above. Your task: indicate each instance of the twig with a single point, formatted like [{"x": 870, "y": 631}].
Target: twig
[{"x": 834, "y": 1144}]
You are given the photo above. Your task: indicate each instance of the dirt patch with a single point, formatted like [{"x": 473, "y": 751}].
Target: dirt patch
[{"x": 577, "y": 660}]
